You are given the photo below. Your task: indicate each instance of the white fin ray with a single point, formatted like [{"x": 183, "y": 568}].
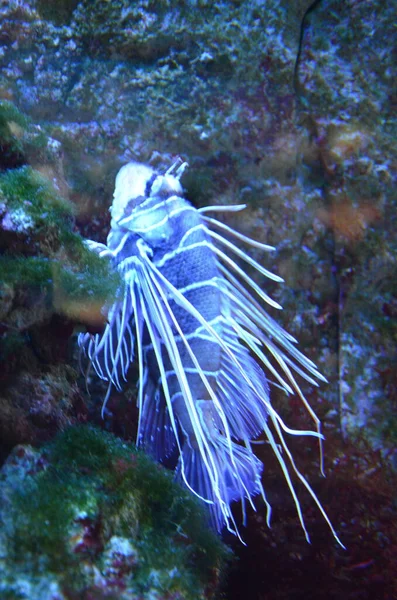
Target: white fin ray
[
  {"x": 157, "y": 350},
  {"x": 235, "y": 289},
  {"x": 243, "y": 320},
  {"x": 275, "y": 352},
  {"x": 225, "y": 258},
  {"x": 267, "y": 325},
  {"x": 139, "y": 332},
  {"x": 245, "y": 257},
  {"x": 238, "y": 235},
  {"x": 304, "y": 481},
  {"x": 157, "y": 316},
  {"x": 220, "y": 208},
  {"x": 274, "y": 419},
  {"x": 230, "y": 445},
  {"x": 109, "y": 355}
]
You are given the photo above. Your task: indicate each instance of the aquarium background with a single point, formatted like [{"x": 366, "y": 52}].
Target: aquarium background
[{"x": 288, "y": 107}]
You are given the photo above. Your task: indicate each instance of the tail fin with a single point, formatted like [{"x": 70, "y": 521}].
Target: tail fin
[{"x": 238, "y": 478}]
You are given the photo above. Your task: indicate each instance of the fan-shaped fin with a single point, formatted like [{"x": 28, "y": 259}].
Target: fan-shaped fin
[
  {"x": 238, "y": 479},
  {"x": 156, "y": 434},
  {"x": 111, "y": 353}
]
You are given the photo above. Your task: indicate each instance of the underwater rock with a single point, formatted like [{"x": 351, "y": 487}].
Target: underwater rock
[
  {"x": 90, "y": 517},
  {"x": 312, "y": 152},
  {"x": 346, "y": 102},
  {"x": 45, "y": 268},
  {"x": 48, "y": 283},
  {"x": 36, "y": 404},
  {"x": 114, "y": 81},
  {"x": 34, "y": 217},
  {"x": 6, "y": 297}
]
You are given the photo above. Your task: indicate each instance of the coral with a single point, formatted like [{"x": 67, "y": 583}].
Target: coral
[{"x": 90, "y": 517}]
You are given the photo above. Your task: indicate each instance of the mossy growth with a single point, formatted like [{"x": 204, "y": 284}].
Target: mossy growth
[
  {"x": 27, "y": 189},
  {"x": 17, "y": 132},
  {"x": 29, "y": 271},
  {"x": 62, "y": 264},
  {"x": 77, "y": 289},
  {"x": 97, "y": 488}
]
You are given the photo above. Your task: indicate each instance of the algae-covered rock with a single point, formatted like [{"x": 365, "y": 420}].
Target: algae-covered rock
[
  {"x": 212, "y": 82},
  {"x": 49, "y": 281},
  {"x": 37, "y": 402},
  {"x": 346, "y": 101},
  {"x": 45, "y": 268},
  {"x": 286, "y": 106},
  {"x": 90, "y": 517},
  {"x": 35, "y": 218},
  {"x": 21, "y": 140}
]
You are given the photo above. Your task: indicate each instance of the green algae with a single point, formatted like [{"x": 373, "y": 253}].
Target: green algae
[
  {"x": 29, "y": 271},
  {"x": 18, "y": 133},
  {"x": 26, "y": 188},
  {"x": 70, "y": 286},
  {"x": 86, "y": 476},
  {"x": 43, "y": 226}
]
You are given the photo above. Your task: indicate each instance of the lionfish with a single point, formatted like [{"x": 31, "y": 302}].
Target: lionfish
[{"x": 186, "y": 314}]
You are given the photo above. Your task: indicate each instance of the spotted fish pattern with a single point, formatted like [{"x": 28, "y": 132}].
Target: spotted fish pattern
[{"x": 195, "y": 322}]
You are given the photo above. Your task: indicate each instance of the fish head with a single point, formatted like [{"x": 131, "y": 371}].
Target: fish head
[
  {"x": 133, "y": 184},
  {"x": 136, "y": 182}
]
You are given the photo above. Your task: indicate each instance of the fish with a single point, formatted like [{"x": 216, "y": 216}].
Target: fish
[{"x": 195, "y": 322}]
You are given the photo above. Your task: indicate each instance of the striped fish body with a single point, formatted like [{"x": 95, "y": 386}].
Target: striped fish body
[
  {"x": 183, "y": 257},
  {"x": 186, "y": 316},
  {"x": 179, "y": 246}
]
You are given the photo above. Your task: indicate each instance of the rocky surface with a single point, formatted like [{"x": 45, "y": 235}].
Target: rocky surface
[
  {"x": 49, "y": 281},
  {"x": 287, "y": 107},
  {"x": 347, "y": 102},
  {"x": 271, "y": 105},
  {"x": 89, "y": 517}
]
